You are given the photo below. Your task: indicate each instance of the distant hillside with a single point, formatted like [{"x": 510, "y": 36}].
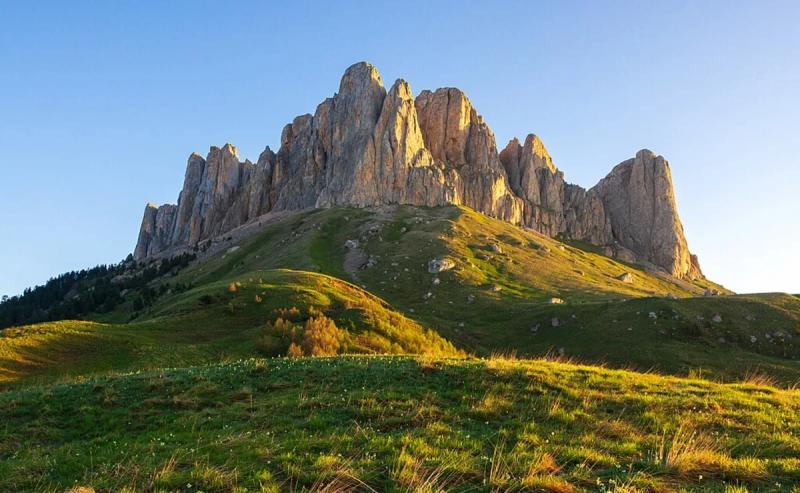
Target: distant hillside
[
  {"x": 368, "y": 271},
  {"x": 87, "y": 292},
  {"x": 262, "y": 314}
]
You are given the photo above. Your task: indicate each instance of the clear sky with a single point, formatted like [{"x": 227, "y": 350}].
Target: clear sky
[{"x": 101, "y": 103}]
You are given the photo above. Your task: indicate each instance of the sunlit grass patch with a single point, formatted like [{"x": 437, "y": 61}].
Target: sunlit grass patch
[{"x": 397, "y": 424}]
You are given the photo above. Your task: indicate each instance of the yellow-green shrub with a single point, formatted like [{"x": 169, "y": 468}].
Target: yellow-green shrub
[{"x": 321, "y": 337}]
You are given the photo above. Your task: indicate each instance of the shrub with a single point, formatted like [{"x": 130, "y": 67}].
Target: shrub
[
  {"x": 294, "y": 351},
  {"x": 232, "y": 287},
  {"x": 288, "y": 313},
  {"x": 277, "y": 337},
  {"x": 281, "y": 328},
  {"x": 321, "y": 337},
  {"x": 374, "y": 343}
]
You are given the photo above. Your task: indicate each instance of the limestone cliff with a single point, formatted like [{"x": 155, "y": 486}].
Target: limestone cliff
[
  {"x": 155, "y": 234},
  {"x": 639, "y": 201},
  {"x": 550, "y": 205},
  {"x": 366, "y": 146}
]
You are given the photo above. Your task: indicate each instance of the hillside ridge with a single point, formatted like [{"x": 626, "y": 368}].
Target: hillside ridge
[{"x": 367, "y": 146}]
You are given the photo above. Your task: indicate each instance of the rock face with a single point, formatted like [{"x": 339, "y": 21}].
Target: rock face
[
  {"x": 626, "y": 277},
  {"x": 464, "y": 147},
  {"x": 550, "y": 205},
  {"x": 640, "y": 204},
  {"x": 155, "y": 234},
  {"x": 367, "y": 147}
]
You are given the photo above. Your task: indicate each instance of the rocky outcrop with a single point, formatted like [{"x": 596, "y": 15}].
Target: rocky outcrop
[
  {"x": 219, "y": 193},
  {"x": 550, "y": 205},
  {"x": 187, "y": 220},
  {"x": 640, "y": 204},
  {"x": 155, "y": 233},
  {"x": 404, "y": 170},
  {"x": 362, "y": 147},
  {"x": 464, "y": 146},
  {"x": 366, "y": 146}
]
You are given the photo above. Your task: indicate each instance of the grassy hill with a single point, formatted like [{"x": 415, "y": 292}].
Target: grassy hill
[
  {"x": 499, "y": 295},
  {"x": 510, "y": 290},
  {"x": 219, "y": 321},
  {"x": 399, "y": 424},
  {"x": 164, "y": 388},
  {"x": 528, "y": 264}
]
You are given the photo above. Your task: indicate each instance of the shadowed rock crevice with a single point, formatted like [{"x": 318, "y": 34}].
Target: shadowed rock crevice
[{"x": 367, "y": 147}]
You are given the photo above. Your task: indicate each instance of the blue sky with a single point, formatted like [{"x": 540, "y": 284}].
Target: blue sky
[{"x": 101, "y": 103}]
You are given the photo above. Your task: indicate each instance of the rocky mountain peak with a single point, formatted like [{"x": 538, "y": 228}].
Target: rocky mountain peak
[
  {"x": 645, "y": 154},
  {"x": 639, "y": 199},
  {"x": 550, "y": 205},
  {"x": 360, "y": 74},
  {"x": 229, "y": 150},
  {"x": 444, "y": 119},
  {"x": 538, "y": 152},
  {"x": 357, "y": 104},
  {"x": 366, "y": 146}
]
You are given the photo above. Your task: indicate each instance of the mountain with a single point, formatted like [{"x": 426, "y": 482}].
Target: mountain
[
  {"x": 495, "y": 287},
  {"x": 394, "y": 224},
  {"x": 173, "y": 393},
  {"x": 366, "y": 146},
  {"x": 174, "y": 380}
]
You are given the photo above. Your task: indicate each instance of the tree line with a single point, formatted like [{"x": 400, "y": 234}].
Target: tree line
[{"x": 99, "y": 289}]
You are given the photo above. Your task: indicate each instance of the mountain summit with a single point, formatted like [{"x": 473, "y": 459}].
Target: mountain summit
[{"x": 368, "y": 147}]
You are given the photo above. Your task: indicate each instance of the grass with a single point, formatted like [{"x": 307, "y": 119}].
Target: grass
[
  {"x": 208, "y": 324},
  {"x": 531, "y": 265},
  {"x": 174, "y": 397},
  {"x": 601, "y": 320},
  {"x": 382, "y": 423}
]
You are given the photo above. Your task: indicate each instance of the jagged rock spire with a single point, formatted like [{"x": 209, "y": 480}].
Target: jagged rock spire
[
  {"x": 550, "y": 205},
  {"x": 639, "y": 200},
  {"x": 366, "y": 146},
  {"x": 155, "y": 233}
]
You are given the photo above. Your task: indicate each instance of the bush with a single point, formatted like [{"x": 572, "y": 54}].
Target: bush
[
  {"x": 292, "y": 313},
  {"x": 294, "y": 351},
  {"x": 277, "y": 337},
  {"x": 374, "y": 343},
  {"x": 282, "y": 328},
  {"x": 321, "y": 337}
]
